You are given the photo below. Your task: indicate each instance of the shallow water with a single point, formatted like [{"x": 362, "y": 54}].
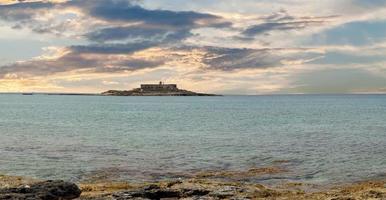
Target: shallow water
[{"x": 324, "y": 138}]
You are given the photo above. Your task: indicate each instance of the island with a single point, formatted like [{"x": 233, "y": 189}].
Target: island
[{"x": 160, "y": 89}]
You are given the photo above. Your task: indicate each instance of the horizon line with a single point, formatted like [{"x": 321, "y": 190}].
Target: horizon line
[{"x": 262, "y": 94}]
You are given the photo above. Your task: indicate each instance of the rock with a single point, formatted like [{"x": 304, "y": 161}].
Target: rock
[
  {"x": 224, "y": 192},
  {"x": 48, "y": 190},
  {"x": 156, "y": 192},
  {"x": 146, "y": 193},
  {"x": 344, "y": 198},
  {"x": 194, "y": 192},
  {"x": 172, "y": 183},
  {"x": 374, "y": 194}
]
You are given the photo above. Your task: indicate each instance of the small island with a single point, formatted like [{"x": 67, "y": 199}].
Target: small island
[{"x": 160, "y": 89}]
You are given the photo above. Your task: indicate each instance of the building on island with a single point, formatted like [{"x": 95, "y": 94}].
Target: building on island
[{"x": 159, "y": 87}]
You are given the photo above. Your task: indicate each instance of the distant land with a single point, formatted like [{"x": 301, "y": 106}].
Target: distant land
[
  {"x": 49, "y": 93},
  {"x": 160, "y": 89}
]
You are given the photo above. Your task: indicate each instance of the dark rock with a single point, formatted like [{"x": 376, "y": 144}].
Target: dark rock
[
  {"x": 156, "y": 192},
  {"x": 151, "y": 187},
  {"x": 147, "y": 193},
  {"x": 172, "y": 183},
  {"x": 344, "y": 198},
  {"x": 194, "y": 192},
  {"x": 48, "y": 190}
]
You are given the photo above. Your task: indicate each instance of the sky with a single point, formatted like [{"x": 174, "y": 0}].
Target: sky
[{"x": 214, "y": 46}]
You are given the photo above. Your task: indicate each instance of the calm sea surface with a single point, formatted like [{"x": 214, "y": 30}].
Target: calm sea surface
[{"x": 323, "y": 138}]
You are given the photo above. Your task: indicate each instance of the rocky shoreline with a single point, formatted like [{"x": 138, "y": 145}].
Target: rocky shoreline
[
  {"x": 193, "y": 189},
  {"x": 160, "y": 89},
  {"x": 202, "y": 186}
]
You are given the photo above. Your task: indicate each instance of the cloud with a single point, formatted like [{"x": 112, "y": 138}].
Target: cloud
[
  {"x": 282, "y": 21},
  {"x": 124, "y": 32},
  {"x": 230, "y": 59},
  {"x": 196, "y": 43},
  {"x": 227, "y": 59},
  {"x": 140, "y": 24},
  {"x": 117, "y": 58},
  {"x": 134, "y": 29},
  {"x": 155, "y": 34},
  {"x": 115, "y": 48},
  {"x": 44, "y": 17},
  {"x": 23, "y": 11},
  {"x": 129, "y": 11},
  {"x": 64, "y": 16},
  {"x": 83, "y": 61},
  {"x": 113, "y": 26}
]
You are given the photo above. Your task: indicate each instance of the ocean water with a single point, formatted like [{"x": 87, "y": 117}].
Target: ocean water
[{"x": 322, "y": 138}]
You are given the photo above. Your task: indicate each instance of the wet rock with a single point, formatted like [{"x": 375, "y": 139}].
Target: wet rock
[{"x": 48, "y": 190}]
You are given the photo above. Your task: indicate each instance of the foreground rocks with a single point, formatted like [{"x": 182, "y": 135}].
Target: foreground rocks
[
  {"x": 232, "y": 185},
  {"x": 194, "y": 189},
  {"x": 47, "y": 190},
  {"x": 203, "y": 186}
]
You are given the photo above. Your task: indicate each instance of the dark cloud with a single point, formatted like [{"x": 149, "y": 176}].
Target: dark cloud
[
  {"x": 116, "y": 48},
  {"x": 155, "y": 34},
  {"x": 272, "y": 26},
  {"x": 46, "y": 67},
  {"x": 160, "y": 25},
  {"x": 76, "y": 60},
  {"x": 131, "y": 25},
  {"x": 26, "y": 14},
  {"x": 124, "y": 32},
  {"x": 227, "y": 59},
  {"x": 99, "y": 59},
  {"x": 129, "y": 11},
  {"x": 282, "y": 21},
  {"x": 130, "y": 65},
  {"x": 23, "y": 11},
  {"x": 132, "y": 29}
]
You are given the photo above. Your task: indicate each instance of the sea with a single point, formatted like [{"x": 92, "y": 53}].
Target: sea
[{"x": 320, "y": 139}]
